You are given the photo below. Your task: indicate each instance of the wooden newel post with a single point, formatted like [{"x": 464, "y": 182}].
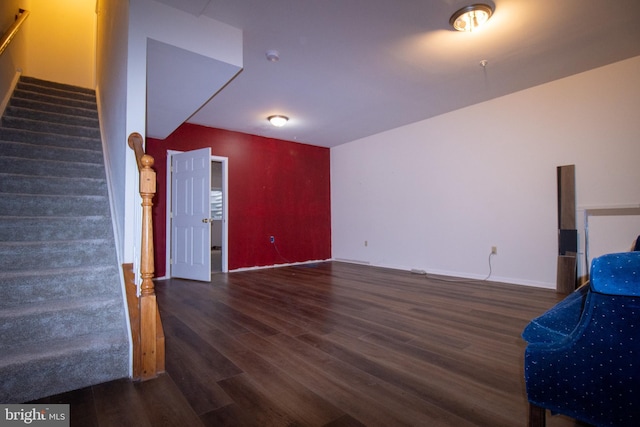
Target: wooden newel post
[
  {"x": 147, "y": 191},
  {"x": 149, "y": 353},
  {"x": 148, "y": 305}
]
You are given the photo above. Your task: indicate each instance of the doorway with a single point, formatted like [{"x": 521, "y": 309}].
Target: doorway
[
  {"x": 217, "y": 216},
  {"x": 186, "y": 258}
]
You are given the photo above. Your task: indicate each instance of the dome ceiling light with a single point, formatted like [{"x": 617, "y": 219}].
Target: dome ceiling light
[
  {"x": 272, "y": 55},
  {"x": 278, "y": 120},
  {"x": 469, "y": 18}
]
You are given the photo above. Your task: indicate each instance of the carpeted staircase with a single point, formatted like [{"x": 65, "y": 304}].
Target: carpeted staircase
[{"x": 62, "y": 314}]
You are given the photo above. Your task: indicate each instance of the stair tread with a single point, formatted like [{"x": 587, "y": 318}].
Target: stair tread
[
  {"x": 30, "y": 91},
  {"x": 19, "y": 112},
  {"x": 40, "y": 152},
  {"x": 52, "y": 204},
  {"x": 37, "y": 286},
  {"x": 30, "y": 120},
  {"x": 57, "y": 196},
  {"x": 54, "y": 242},
  {"x": 69, "y": 303},
  {"x": 48, "y": 147},
  {"x": 23, "y": 92},
  {"x": 54, "y": 217},
  {"x": 35, "y": 168},
  {"x": 47, "y": 107},
  {"x": 52, "y": 271},
  {"x": 50, "y": 113},
  {"x": 53, "y": 128},
  {"x": 57, "y": 366},
  {"x": 100, "y": 165},
  {"x": 38, "y": 134},
  {"x": 88, "y": 196},
  {"x": 74, "y": 179},
  {"x": 45, "y": 140},
  {"x": 96, "y": 341},
  {"x": 90, "y": 138},
  {"x": 40, "y": 83}
]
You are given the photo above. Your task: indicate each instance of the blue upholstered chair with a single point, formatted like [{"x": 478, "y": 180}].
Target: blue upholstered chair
[{"x": 583, "y": 356}]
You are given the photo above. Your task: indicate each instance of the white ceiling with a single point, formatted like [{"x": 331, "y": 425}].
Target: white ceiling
[{"x": 353, "y": 68}]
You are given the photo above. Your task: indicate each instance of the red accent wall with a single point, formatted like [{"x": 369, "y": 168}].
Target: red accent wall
[{"x": 276, "y": 188}]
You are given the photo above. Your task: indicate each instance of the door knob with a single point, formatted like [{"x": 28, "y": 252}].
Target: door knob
[{"x": 206, "y": 220}]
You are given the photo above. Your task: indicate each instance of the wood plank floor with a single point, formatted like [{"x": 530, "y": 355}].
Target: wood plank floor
[{"x": 330, "y": 344}]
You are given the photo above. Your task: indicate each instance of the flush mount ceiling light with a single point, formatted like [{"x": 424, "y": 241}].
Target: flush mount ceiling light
[
  {"x": 278, "y": 120},
  {"x": 272, "y": 55},
  {"x": 469, "y": 18}
]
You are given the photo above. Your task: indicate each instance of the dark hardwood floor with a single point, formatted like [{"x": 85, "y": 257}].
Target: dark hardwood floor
[{"x": 330, "y": 344}]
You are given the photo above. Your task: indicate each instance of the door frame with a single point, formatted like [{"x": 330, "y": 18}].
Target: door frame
[{"x": 225, "y": 211}]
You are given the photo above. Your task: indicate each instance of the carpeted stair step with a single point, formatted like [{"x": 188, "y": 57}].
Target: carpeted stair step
[
  {"x": 47, "y": 116},
  {"x": 54, "y": 93},
  {"x": 50, "y": 168},
  {"x": 56, "y": 366},
  {"x": 33, "y": 184},
  {"x": 51, "y": 99},
  {"x": 49, "y": 140},
  {"x": 52, "y": 205},
  {"x": 34, "y": 151},
  {"x": 57, "y": 319},
  {"x": 16, "y": 256},
  {"x": 43, "y": 229},
  {"x": 44, "y": 85},
  {"x": 31, "y": 104},
  {"x": 50, "y": 127},
  {"x": 39, "y": 287}
]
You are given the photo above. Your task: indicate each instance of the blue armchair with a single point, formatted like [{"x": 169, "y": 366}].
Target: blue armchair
[{"x": 583, "y": 356}]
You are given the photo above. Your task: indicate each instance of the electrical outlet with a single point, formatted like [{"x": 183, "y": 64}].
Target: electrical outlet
[
  {"x": 366, "y": 243},
  {"x": 494, "y": 250},
  {"x": 272, "y": 239}
]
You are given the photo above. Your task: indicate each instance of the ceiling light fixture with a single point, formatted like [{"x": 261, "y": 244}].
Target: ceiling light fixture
[
  {"x": 272, "y": 55},
  {"x": 469, "y": 18},
  {"x": 278, "y": 120}
]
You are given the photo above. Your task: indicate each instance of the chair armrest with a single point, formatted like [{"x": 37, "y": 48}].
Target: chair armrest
[
  {"x": 559, "y": 321},
  {"x": 616, "y": 274}
]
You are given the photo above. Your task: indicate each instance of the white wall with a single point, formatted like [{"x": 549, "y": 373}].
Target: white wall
[
  {"x": 437, "y": 194},
  {"x": 111, "y": 88},
  {"x": 62, "y": 41},
  {"x": 13, "y": 57}
]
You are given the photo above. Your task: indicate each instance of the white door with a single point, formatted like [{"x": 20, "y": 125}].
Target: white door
[{"x": 191, "y": 215}]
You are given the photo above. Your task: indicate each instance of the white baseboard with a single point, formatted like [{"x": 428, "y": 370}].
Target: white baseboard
[{"x": 262, "y": 267}]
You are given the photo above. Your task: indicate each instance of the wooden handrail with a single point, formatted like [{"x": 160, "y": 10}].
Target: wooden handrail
[
  {"x": 13, "y": 29},
  {"x": 135, "y": 143},
  {"x": 151, "y": 353}
]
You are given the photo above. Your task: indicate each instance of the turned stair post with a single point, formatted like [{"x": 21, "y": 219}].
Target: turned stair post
[{"x": 149, "y": 357}]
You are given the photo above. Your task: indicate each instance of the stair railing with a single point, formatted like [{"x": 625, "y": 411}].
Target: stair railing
[
  {"x": 148, "y": 337},
  {"x": 13, "y": 29}
]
